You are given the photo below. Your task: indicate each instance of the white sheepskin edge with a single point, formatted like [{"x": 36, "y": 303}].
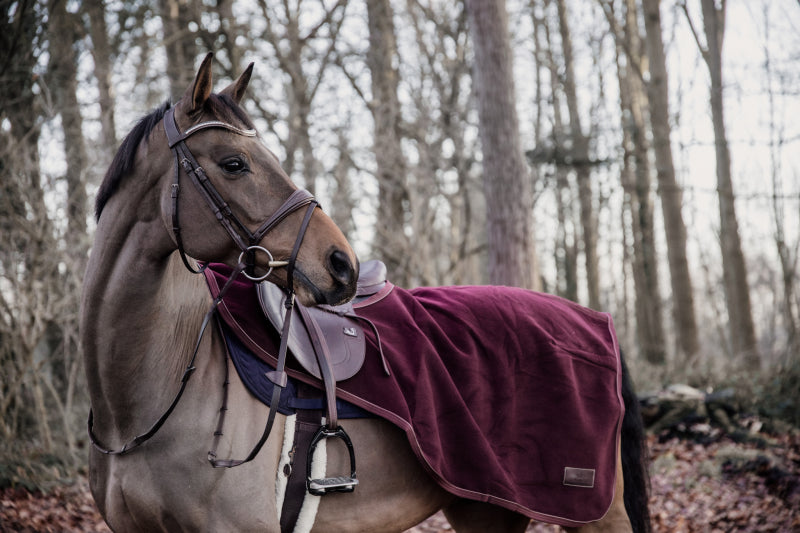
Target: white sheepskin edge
[{"x": 308, "y": 512}]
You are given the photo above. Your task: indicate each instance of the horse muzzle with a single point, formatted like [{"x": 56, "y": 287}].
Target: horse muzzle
[{"x": 335, "y": 286}]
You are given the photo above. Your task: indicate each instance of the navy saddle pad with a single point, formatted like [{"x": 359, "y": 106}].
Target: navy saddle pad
[{"x": 252, "y": 371}]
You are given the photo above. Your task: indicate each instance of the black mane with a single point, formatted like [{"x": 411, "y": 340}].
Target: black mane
[
  {"x": 123, "y": 161},
  {"x": 220, "y": 106}
]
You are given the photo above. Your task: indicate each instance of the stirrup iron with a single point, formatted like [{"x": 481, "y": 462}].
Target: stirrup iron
[{"x": 320, "y": 487}]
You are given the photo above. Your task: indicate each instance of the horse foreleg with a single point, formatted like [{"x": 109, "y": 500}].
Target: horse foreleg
[{"x": 616, "y": 519}]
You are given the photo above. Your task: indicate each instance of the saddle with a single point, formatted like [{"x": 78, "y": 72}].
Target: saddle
[
  {"x": 328, "y": 342},
  {"x": 333, "y": 332}
]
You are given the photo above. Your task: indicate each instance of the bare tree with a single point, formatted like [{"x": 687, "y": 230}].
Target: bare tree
[
  {"x": 295, "y": 46},
  {"x": 670, "y": 193},
  {"x": 580, "y": 150},
  {"x": 787, "y": 256},
  {"x": 550, "y": 156},
  {"x": 64, "y": 31},
  {"x": 636, "y": 179},
  {"x": 102, "y": 56},
  {"x": 428, "y": 202},
  {"x": 41, "y": 258},
  {"x": 734, "y": 270},
  {"x": 21, "y": 36},
  {"x": 445, "y": 198},
  {"x": 225, "y": 37},
  {"x": 391, "y": 166},
  {"x": 506, "y": 180},
  {"x": 179, "y": 19},
  {"x": 61, "y": 331}
]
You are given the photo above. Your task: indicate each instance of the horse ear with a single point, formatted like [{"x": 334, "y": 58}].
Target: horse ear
[
  {"x": 200, "y": 90},
  {"x": 236, "y": 89}
]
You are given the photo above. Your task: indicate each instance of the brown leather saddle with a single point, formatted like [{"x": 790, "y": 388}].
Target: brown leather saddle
[{"x": 334, "y": 333}]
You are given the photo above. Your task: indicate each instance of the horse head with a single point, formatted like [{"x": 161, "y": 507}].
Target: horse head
[{"x": 225, "y": 198}]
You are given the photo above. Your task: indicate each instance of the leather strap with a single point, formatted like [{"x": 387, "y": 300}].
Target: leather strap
[
  {"x": 278, "y": 376},
  {"x": 323, "y": 360},
  {"x": 187, "y": 373},
  {"x": 306, "y": 426},
  {"x": 296, "y": 200},
  {"x": 241, "y": 235},
  {"x": 174, "y": 136},
  {"x": 377, "y": 339},
  {"x": 186, "y": 160}
]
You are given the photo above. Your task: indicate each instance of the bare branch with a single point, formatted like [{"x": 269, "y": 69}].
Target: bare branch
[
  {"x": 351, "y": 78},
  {"x": 325, "y": 20},
  {"x": 328, "y": 56},
  {"x": 703, "y": 49},
  {"x": 633, "y": 59}
]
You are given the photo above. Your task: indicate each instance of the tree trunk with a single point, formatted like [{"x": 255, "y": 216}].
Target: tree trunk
[
  {"x": 506, "y": 181},
  {"x": 580, "y": 151},
  {"x": 342, "y": 198},
  {"x": 670, "y": 193},
  {"x": 391, "y": 166},
  {"x": 299, "y": 99},
  {"x": 636, "y": 181},
  {"x": 787, "y": 257},
  {"x": 734, "y": 271},
  {"x": 179, "y": 43},
  {"x": 63, "y": 30},
  {"x": 30, "y": 255},
  {"x": 232, "y": 30},
  {"x": 566, "y": 245},
  {"x": 101, "y": 53}
]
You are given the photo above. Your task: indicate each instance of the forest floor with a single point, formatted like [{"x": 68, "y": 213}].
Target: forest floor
[{"x": 718, "y": 486}]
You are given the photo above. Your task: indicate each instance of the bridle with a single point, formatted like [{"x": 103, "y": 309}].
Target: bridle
[{"x": 247, "y": 241}]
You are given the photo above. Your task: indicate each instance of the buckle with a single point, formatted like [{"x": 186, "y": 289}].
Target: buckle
[{"x": 320, "y": 487}]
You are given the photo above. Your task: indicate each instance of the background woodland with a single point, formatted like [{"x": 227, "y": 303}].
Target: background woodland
[{"x": 636, "y": 156}]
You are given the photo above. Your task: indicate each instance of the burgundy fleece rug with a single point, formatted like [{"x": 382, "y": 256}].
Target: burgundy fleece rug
[{"x": 506, "y": 395}]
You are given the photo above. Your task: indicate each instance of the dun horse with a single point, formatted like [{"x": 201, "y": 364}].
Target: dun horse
[{"x": 142, "y": 310}]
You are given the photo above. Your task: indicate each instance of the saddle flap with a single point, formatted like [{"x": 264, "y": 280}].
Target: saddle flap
[{"x": 343, "y": 335}]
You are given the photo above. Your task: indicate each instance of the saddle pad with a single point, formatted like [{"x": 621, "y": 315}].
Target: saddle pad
[{"x": 506, "y": 396}]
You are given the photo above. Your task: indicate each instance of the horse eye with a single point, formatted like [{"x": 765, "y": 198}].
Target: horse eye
[{"x": 234, "y": 165}]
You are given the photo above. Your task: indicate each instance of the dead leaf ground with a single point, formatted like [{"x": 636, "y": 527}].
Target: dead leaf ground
[{"x": 718, "y": 487}]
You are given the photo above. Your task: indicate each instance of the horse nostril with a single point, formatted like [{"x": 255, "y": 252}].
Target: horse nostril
[{"x": 341, "y": 267}]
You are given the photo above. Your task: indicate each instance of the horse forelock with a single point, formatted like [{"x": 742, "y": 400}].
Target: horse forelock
[
  {"x": 221, "y": 107},
  {"x": 125, "y": 157}
]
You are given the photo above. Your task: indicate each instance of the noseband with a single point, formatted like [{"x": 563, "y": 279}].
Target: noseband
[{"x": 247, "y": 241}]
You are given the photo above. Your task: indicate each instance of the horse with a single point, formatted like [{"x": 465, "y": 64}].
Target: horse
[{"x": 142, "y": 307}]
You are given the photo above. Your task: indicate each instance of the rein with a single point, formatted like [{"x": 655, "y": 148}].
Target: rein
[{"x": 248, "y": 244}]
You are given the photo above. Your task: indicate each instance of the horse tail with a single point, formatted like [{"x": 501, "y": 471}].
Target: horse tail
[{"x": 634, "y": 458}]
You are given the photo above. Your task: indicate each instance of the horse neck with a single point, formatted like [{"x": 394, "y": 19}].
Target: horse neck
[{"x": 141, "y": 313}]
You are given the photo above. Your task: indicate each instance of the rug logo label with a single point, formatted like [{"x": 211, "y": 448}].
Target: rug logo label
[{"x": 579, "y": 477}]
